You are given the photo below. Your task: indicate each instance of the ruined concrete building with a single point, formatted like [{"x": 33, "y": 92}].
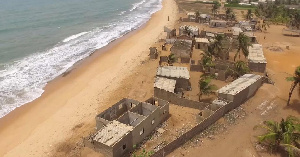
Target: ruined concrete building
[
  {"x": 238, "y": 91},
  {"x": 126, "y": 124},
  {"x": 256, "y": 59}
]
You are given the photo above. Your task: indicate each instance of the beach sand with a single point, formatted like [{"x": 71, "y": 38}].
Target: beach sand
[{"x": 66, "y": 110}]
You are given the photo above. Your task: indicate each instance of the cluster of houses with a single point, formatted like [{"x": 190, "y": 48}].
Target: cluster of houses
[{"x": 128, "y": 122}]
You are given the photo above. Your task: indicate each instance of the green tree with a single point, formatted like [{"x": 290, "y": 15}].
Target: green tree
[
  {"x": 197, "y": 15},
  {"x": 217, "y": 45},
  {"x": 228, "y": 13},
  {"x": 171, "y": 59},
  {"x": 207, "y": 58},
  {"x": 240, "y": 68},
  {"x": 187, "y": 30},
  {"x": 285, "y": 134},
  {"x": 232, "y": 17},
  {"x": 243, "y": 44},
  {"x": 215, "y": 7},
  {"x": 249, "y": 14},
  {"x": 295, "y": 19},
  {"x": 265, "y": 25},
  {"x": 144, "y": 154},
  {"x": 296, "y": 81},
  {"x": 205, "y": 86}
]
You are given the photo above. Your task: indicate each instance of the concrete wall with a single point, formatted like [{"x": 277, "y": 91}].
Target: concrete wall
[
  {"x": 202, "y": 46},
  {"x": 185, "y": 60},
  {"x": 118, "y": 148},
  {"x": 210, "y": 114},
  {"x": 145, "y": 127},
  {"x": 257, "y": 67},
  {"x": 102, "y": 148},
  {"x": 190, "y": 134},
  {"x": 115, "y": 111},
  {"x": 196, "y": 67},
  {"x": 174, "y": 99}
]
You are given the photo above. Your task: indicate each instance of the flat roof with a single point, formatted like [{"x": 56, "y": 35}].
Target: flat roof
[
  {"x": 239, "y": 84},
  {"x": 256, "y": 54},
  {"x": 191, "y": 13},
  {"x": 236, "y": 30},
  {"x": 112, "y": 133},
  {"x": 201, "y": 40},
  {"x": 173, "y": 71},
  {"x": 165, "y": 84},
  {"x": 221, "y": 21},
  {"x": 209, "y": 34}
]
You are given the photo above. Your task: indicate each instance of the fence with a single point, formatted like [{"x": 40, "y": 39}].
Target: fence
[{"x": 190, "y": 134}]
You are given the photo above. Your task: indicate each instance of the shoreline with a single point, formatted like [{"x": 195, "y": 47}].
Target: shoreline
[{"x": 87, "y": 81}]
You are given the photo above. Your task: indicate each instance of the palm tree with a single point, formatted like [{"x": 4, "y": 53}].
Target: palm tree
[
  {"x": 197, "y": 15},
  {"x": 285, "y": 134},
  {"x": 215, "y": 8},
  {"x": 217, "y": 45},
  {"x": 187, "y": 30},
  {"x": 295, "y": 19},
  {"x": 240, "y": 68},
  {"x": 205, "y": 86},
  {"x": 228, "y": 13},
  {"x": 296, "y": 81},
  {"x": 265, "y": 25},
  {"x": 207, "y": 58},
  {"x": 232, "y": 16},
  {"x": 243, "y": 44},
  {"x": 249, "y": 14},
  {"x": 171, "y": 59}
]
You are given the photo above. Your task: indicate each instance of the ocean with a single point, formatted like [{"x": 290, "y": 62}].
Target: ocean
[{"x": 41, "y": 39}]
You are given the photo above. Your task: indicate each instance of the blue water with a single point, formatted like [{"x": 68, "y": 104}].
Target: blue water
[{"x": 41, "y": 39}]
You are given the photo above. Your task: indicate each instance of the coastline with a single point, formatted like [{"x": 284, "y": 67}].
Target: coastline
[{"x": 35, "y": 128}]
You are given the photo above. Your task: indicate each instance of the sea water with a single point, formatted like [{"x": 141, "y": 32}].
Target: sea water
[{"x": 41, "y": 39}]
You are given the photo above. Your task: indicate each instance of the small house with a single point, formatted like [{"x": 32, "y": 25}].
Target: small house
[
  {"x": 256, "y": 59},
  {"x": 180, "y": 74},
  {"x": 182, "y": 49},
  {"x": 153, "y": 53},
  {"x": 217, "y": 23},
  {"x": 201, "y": 43}
]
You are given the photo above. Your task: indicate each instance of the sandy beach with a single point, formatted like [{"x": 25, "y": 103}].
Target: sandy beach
[
  {"x": 55, "y": 123},
  {"x": 71, "y": 101}
]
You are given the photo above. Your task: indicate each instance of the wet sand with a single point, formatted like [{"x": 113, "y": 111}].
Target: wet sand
[{"x": 38, "y": 128}]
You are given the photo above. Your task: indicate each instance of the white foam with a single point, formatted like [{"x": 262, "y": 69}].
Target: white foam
[
  {"x": 23, "y": 81},
  {"x": 74, "y": 36},
  {"x": 135, "y": 5},
  {"x": 123, "y": 12}
]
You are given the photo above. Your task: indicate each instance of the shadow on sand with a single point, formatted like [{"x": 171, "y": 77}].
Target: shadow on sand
[{"x": 294, "y": 105}]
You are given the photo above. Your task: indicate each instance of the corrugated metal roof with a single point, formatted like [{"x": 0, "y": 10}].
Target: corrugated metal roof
[
  {"x": 165, "y": 84},
  {"x": 201, "y": 40},
  {"x": 173, "y": 71},
  {"x": 239, "y": 84}
]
